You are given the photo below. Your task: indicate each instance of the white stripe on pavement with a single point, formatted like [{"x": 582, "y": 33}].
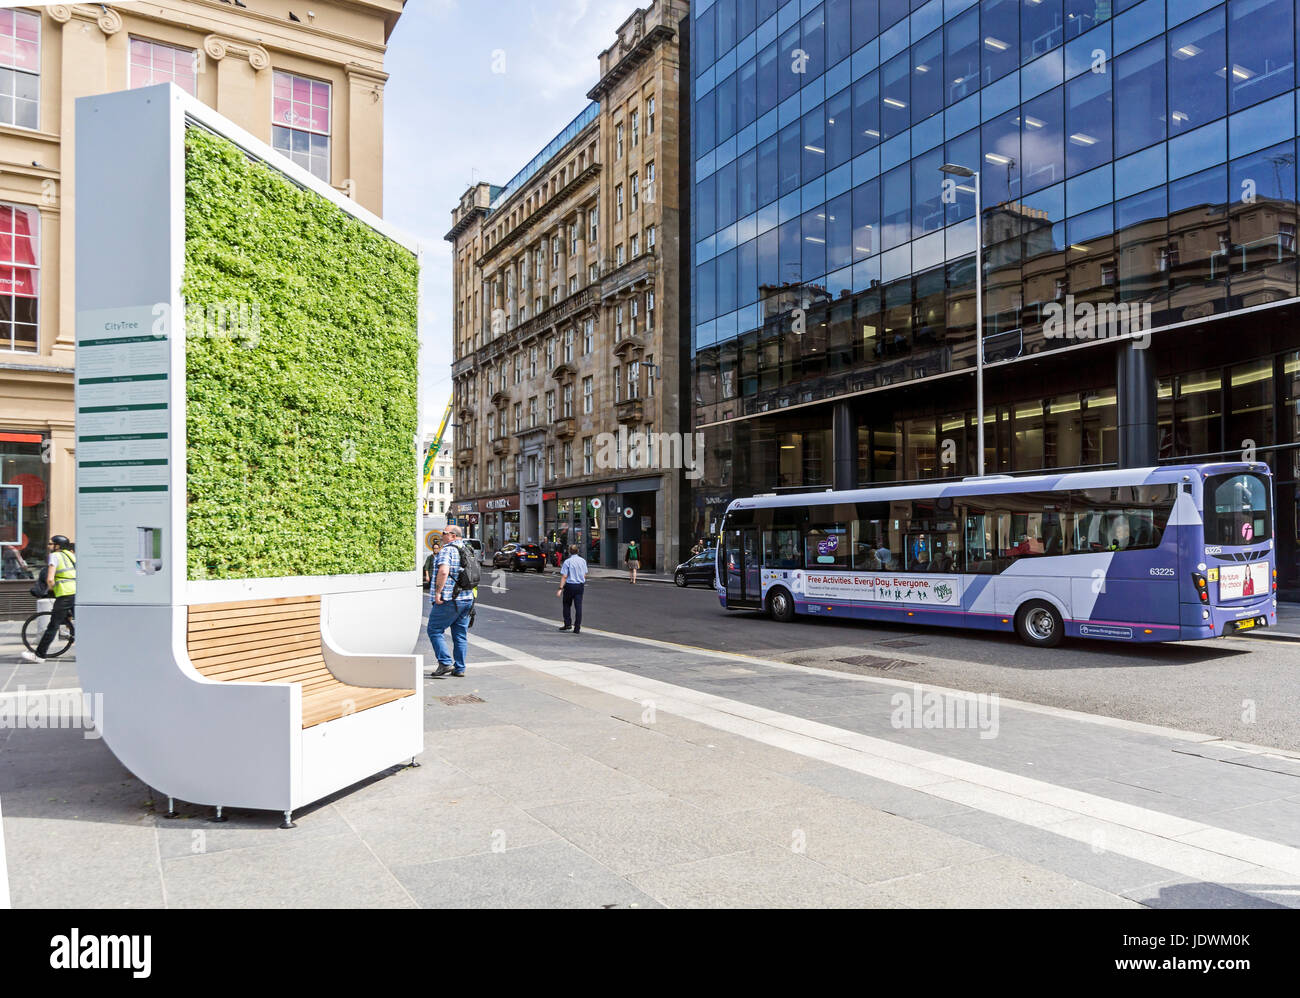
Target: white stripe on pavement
[{"x": 1189, "y": 848}]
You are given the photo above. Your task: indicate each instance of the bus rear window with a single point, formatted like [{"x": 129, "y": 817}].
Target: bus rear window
[{"x": 1237, "y": 510}]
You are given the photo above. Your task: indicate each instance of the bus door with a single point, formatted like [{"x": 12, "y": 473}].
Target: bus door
[{"x": 742, "y": 563}]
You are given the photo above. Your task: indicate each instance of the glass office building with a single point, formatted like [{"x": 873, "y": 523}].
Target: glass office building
[{"x": 1137, "y": 161}]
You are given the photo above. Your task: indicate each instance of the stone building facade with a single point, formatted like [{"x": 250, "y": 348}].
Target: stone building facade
[
  {"x": 311, "y": 85},
  {"x": 567, "y": 345}
]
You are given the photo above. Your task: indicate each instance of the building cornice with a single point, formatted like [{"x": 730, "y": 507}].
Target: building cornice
[
  {"x": 538, "y": 217},
  {"x": 637, "y": 53},
  {"x": 280, "y": 35}
]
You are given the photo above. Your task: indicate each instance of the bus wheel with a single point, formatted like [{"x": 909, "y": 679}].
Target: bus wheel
[
  {"x": 1039, "y": 624},
  {"x": 780, "y": 604}
]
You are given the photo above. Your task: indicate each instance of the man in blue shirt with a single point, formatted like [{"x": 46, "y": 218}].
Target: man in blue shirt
[
  {"x": 450, "y": 607},
  {"x": 573, "y": 582}
]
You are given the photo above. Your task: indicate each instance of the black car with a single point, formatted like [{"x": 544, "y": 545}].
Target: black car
[
  {"x": 520, "y": 557},
  {"x": 700, "y": 569}
]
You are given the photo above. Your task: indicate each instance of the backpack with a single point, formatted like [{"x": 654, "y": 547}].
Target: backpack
[{"x": 467, "y": 578}]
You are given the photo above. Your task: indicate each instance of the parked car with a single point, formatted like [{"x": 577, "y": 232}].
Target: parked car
[
  {"x": 700, "y": 569},
  {"x": 520, "y": 557},
  {"x": 475, "y": 547}
]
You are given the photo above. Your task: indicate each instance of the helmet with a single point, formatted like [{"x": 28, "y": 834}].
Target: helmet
[{"x": 61, "y": 541}]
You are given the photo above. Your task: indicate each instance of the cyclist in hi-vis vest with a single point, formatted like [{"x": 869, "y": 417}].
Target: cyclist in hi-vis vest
[{"x": 61, "y": 576}]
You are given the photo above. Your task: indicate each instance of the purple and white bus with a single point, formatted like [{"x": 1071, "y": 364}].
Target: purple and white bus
[{"x": 1173, "y": 553}]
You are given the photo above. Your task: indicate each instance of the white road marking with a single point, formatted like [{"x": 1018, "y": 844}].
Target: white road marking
[{"x": 1188, "y": 848}]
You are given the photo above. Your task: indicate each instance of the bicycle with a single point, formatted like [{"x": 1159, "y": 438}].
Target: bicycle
[{"x": 34, "y": 627}]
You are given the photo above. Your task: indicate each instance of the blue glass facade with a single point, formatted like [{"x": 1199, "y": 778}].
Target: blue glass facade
[{"x": 1130, "y": 153}]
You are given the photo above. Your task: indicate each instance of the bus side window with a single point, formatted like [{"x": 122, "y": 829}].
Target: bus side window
[{"x": 781, "y": 549}]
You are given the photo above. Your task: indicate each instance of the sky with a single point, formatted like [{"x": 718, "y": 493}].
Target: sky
[{"x": 450, "y": 121}]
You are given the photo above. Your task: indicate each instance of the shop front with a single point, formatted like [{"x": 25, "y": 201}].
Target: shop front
[
  {"x": 466, "y": 516},
  {"x": 25, "y": 463},
  {"x": 639, "y": 518},
  {"x": 499, "y": 522},
  {"x": 580, "y": 519}
]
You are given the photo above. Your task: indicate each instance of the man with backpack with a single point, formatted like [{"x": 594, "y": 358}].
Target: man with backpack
[{"x": 453, "y": 594}]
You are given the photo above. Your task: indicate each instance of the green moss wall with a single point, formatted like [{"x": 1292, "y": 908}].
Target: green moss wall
[{"x": 300, "y": 427}]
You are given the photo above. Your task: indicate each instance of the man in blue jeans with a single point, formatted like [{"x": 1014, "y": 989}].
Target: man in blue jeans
[{"x": 450, "y": 607}]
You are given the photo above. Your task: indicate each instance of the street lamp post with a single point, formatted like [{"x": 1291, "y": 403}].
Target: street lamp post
[{"x": 962, "y": 171}]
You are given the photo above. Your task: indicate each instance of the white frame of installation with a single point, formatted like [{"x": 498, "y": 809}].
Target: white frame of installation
[{"x": 226, "y": 744}]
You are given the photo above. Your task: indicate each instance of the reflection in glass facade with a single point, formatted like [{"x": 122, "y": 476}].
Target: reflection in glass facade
[{"x": 1130, "y": 153}]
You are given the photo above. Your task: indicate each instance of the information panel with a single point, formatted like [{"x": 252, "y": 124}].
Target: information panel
[{"x": 123, "y": 454}]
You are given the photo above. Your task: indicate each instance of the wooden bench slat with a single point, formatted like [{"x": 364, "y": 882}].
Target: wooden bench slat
[
  {"x": 250, "y": 604},
  {"x": 283, "y": 629},
  {"x": 243, "y": 665},
  {"x": 254, "y": 646},
  {"x": 232, "y": 623}
]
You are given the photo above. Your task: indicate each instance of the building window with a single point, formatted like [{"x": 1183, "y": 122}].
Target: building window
[
  {"x": 537, "y": 257},
  {"x": 649, "y": 377},
  {"x": 650, "y": 238},
  {"x": 532, "y": 412},
  {"x": 532, "y": 469},
  {"x": 635, "y": 310},
  {"x": 550, "y": 464},
  {"x": 636, "y": 192},
  {"x": 300, "y": 122},
  {"x": 20, "y": 230},
  {"x": 618, "y": 385},
  {"x": 573, "y": 285},
  {"x": 649, "y": 311},
  {"x": 153, "y": 62},
  {"x": 650, "y": 116},
  {"x": 650, "y": 183},
  {"x": 519, "y": 416},
  {"x": 568, "y": 460},
  {"x": 588, "y": 337},
  {"x": 568, "y": 401},
  {"x": 593, "y": 217},
  {"x": 517, "y": 367},
  {"x": 555, "y": 253},
  {"x": 618, "y": 141},
  {"x": 618, "y": 323},
  {"x": 618, "y": 203},
  {"x": 573, "y": 240},
  {"x": 588, "y": 395},
  {"x": 20, "y": 68},
  {"x": 492, "y": 476},
  {"x": 532, "y": 362},
  {"x": 634, "y": 380},
  {"x": 550, "y": 354},
  {"x": 593, "y": 272},
  {"x": 618, "y": 255},
  {"x": 635, "y": 121},
  {"x": 636, "y": 245},
  {"x": 550, "y": 407},
  {"x": 492, "y": 426},
  {"x": 586, "y": 456},
  {"x": 555, "y": 295},
  {"x": 568, "y": 345}
]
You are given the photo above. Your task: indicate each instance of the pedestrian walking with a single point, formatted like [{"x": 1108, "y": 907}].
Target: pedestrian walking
[
  {"x": 61, "y": 577},
  {"x": 573, "y": 583},
  {"x": 454, "y": 590},
  {"x": 429, "y": 564},
  {"x": 633, "y": 559}
]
